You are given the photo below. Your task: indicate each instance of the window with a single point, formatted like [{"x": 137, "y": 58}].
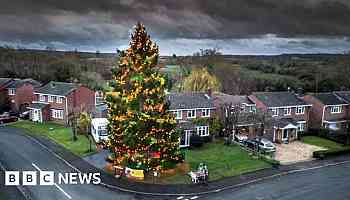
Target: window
[
  {"x": 274, "y": 112},
  {"x": 301, "y": 126},
  {"x": 191, "y": 114},
  {"x": 57, "y": 114},
  {"x": 300, "y": 110},
  {"x": 42, "y": 98},
  {"x": 251, "y": 109},
  {"x": 287, "y": 111},
  {"x": 12, "y": 92},
  {"x": 51, "y": 98},
  {"x": 205, "y": 112},
  {"x": 59, "y": 100},
  {"x": 178, "y": 114},
  {"x": 336, "y": 109},
  {"x": 203, "y": 131}
]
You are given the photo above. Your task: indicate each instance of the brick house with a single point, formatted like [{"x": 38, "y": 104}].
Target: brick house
[
  {"x": 188, "y": 107},
  {"x": 329, "y": 110},
  {"x": 247, "y": 125},
  {"x": 55, "y": 100},
  {"x": 19, "y": 92},
  {"x": 289, "y": 114}
]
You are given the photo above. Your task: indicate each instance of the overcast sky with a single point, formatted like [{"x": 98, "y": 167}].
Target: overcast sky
[{"x": 180, "y": 26}]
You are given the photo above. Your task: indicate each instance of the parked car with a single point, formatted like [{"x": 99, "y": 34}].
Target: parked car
[
  {"x": 240, "y": 138},
  {"x": 264, "y": 145},
  {"x": 24, "y": 115},
  {"x": 4, "y": 120},
  {"x": 251, "y": 143}
]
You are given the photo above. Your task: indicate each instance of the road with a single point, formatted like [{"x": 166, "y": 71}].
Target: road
[
  {"x": 330, "y": 183},
  {"x": 19, "y": 153}
]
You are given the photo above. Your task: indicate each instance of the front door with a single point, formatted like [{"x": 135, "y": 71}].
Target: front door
[
  {"x": 185, "y": 138},
  {"x": 285, "y": 134}
]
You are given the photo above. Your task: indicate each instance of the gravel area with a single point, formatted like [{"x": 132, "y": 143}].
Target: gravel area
[{"x": 295, "y": 152}]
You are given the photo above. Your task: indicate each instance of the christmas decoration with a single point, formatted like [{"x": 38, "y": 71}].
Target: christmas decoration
[{"x": 142, "y": 132}]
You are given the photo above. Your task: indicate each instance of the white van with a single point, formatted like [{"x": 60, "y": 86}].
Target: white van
[{"x": 99, "y": 129}]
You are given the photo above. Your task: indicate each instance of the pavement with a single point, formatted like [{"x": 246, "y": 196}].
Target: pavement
[
  {"x": 98, "y": 159},
  {"x": 19, "y": 152}
]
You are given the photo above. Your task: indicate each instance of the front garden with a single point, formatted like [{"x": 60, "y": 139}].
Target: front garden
[
  {"x": 58, "y": 133},
  {"x": 222, "y": 161},
  {"x": 322, "y": 142}
]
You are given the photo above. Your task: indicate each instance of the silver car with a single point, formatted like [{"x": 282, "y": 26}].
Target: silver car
[{"x": 266, "y": 145}]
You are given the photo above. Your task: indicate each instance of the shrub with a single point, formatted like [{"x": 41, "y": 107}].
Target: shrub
[
  {"x": 323, "y": 132},
  {"x": 196, "y": 141},
  {"x": 329, "y": 153}
]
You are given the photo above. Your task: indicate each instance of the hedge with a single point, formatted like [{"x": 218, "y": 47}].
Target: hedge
[{"x": 329, "y": 153}]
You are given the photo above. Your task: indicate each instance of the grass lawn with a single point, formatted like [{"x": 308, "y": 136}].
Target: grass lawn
[
  {"x": 322, "y": 142},
  {"x": 59, "y": 134},
  {"x": 222, "y": 161}
]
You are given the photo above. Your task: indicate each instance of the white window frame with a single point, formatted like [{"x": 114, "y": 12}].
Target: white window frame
[
  {"x": 287, "y": 111},
  {"x": 12, "y": 91},
  {"x": 300, "y": 110},
  {"x": 192, "y": 115},
  {"x": 59, "y": 100},
  {"x": 202, "y": 131},
  {"x": 51, "y": 99},
  {"x": 301, "y": 126},
  {"x": 42, "y": 98},
  {"x": 274, "y": 112},
  {"x": 336, "y": 109},
  {"x": 56, "y": 114},
  {"x": 205, "y": 112},
  {"x": 178, "y": 114}
]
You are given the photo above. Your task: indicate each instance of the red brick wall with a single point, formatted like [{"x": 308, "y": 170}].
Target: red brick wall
[
  {"x": 317, "y": 112},
  {"x": 259, "y": 104},
  {"x": 24, "y": 95},
  {"x": 82, "y": 97}
]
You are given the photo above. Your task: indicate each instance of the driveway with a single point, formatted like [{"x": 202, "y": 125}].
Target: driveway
[{"x": 295, "y": 152}]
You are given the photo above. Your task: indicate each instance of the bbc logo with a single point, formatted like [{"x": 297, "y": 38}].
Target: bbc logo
[{"x": 29, "y": 178}]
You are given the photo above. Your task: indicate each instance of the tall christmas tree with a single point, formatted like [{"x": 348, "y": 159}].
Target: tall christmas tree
[{"x": 142, "y": 131}]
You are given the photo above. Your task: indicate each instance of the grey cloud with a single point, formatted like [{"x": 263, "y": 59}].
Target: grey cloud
[{"x": 101, "y": 23}]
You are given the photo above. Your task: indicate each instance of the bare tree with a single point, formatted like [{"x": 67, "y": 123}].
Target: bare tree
[
  {"x": 232, "y": 116},
  {"x": 264, "y": 120}
]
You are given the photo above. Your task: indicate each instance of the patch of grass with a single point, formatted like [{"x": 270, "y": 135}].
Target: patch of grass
[
  {"x": 222, "y": 161},
  {"x": 322, "y": 142},
  {"x": 59, "y": 134}
]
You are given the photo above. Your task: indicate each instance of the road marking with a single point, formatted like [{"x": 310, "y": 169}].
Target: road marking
[
  {"x": 57, "y": 186},
  {"x": 195, "y": 197},
  {"x": 64, "y": 192},
  {"x": 181, "y": 197}
]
